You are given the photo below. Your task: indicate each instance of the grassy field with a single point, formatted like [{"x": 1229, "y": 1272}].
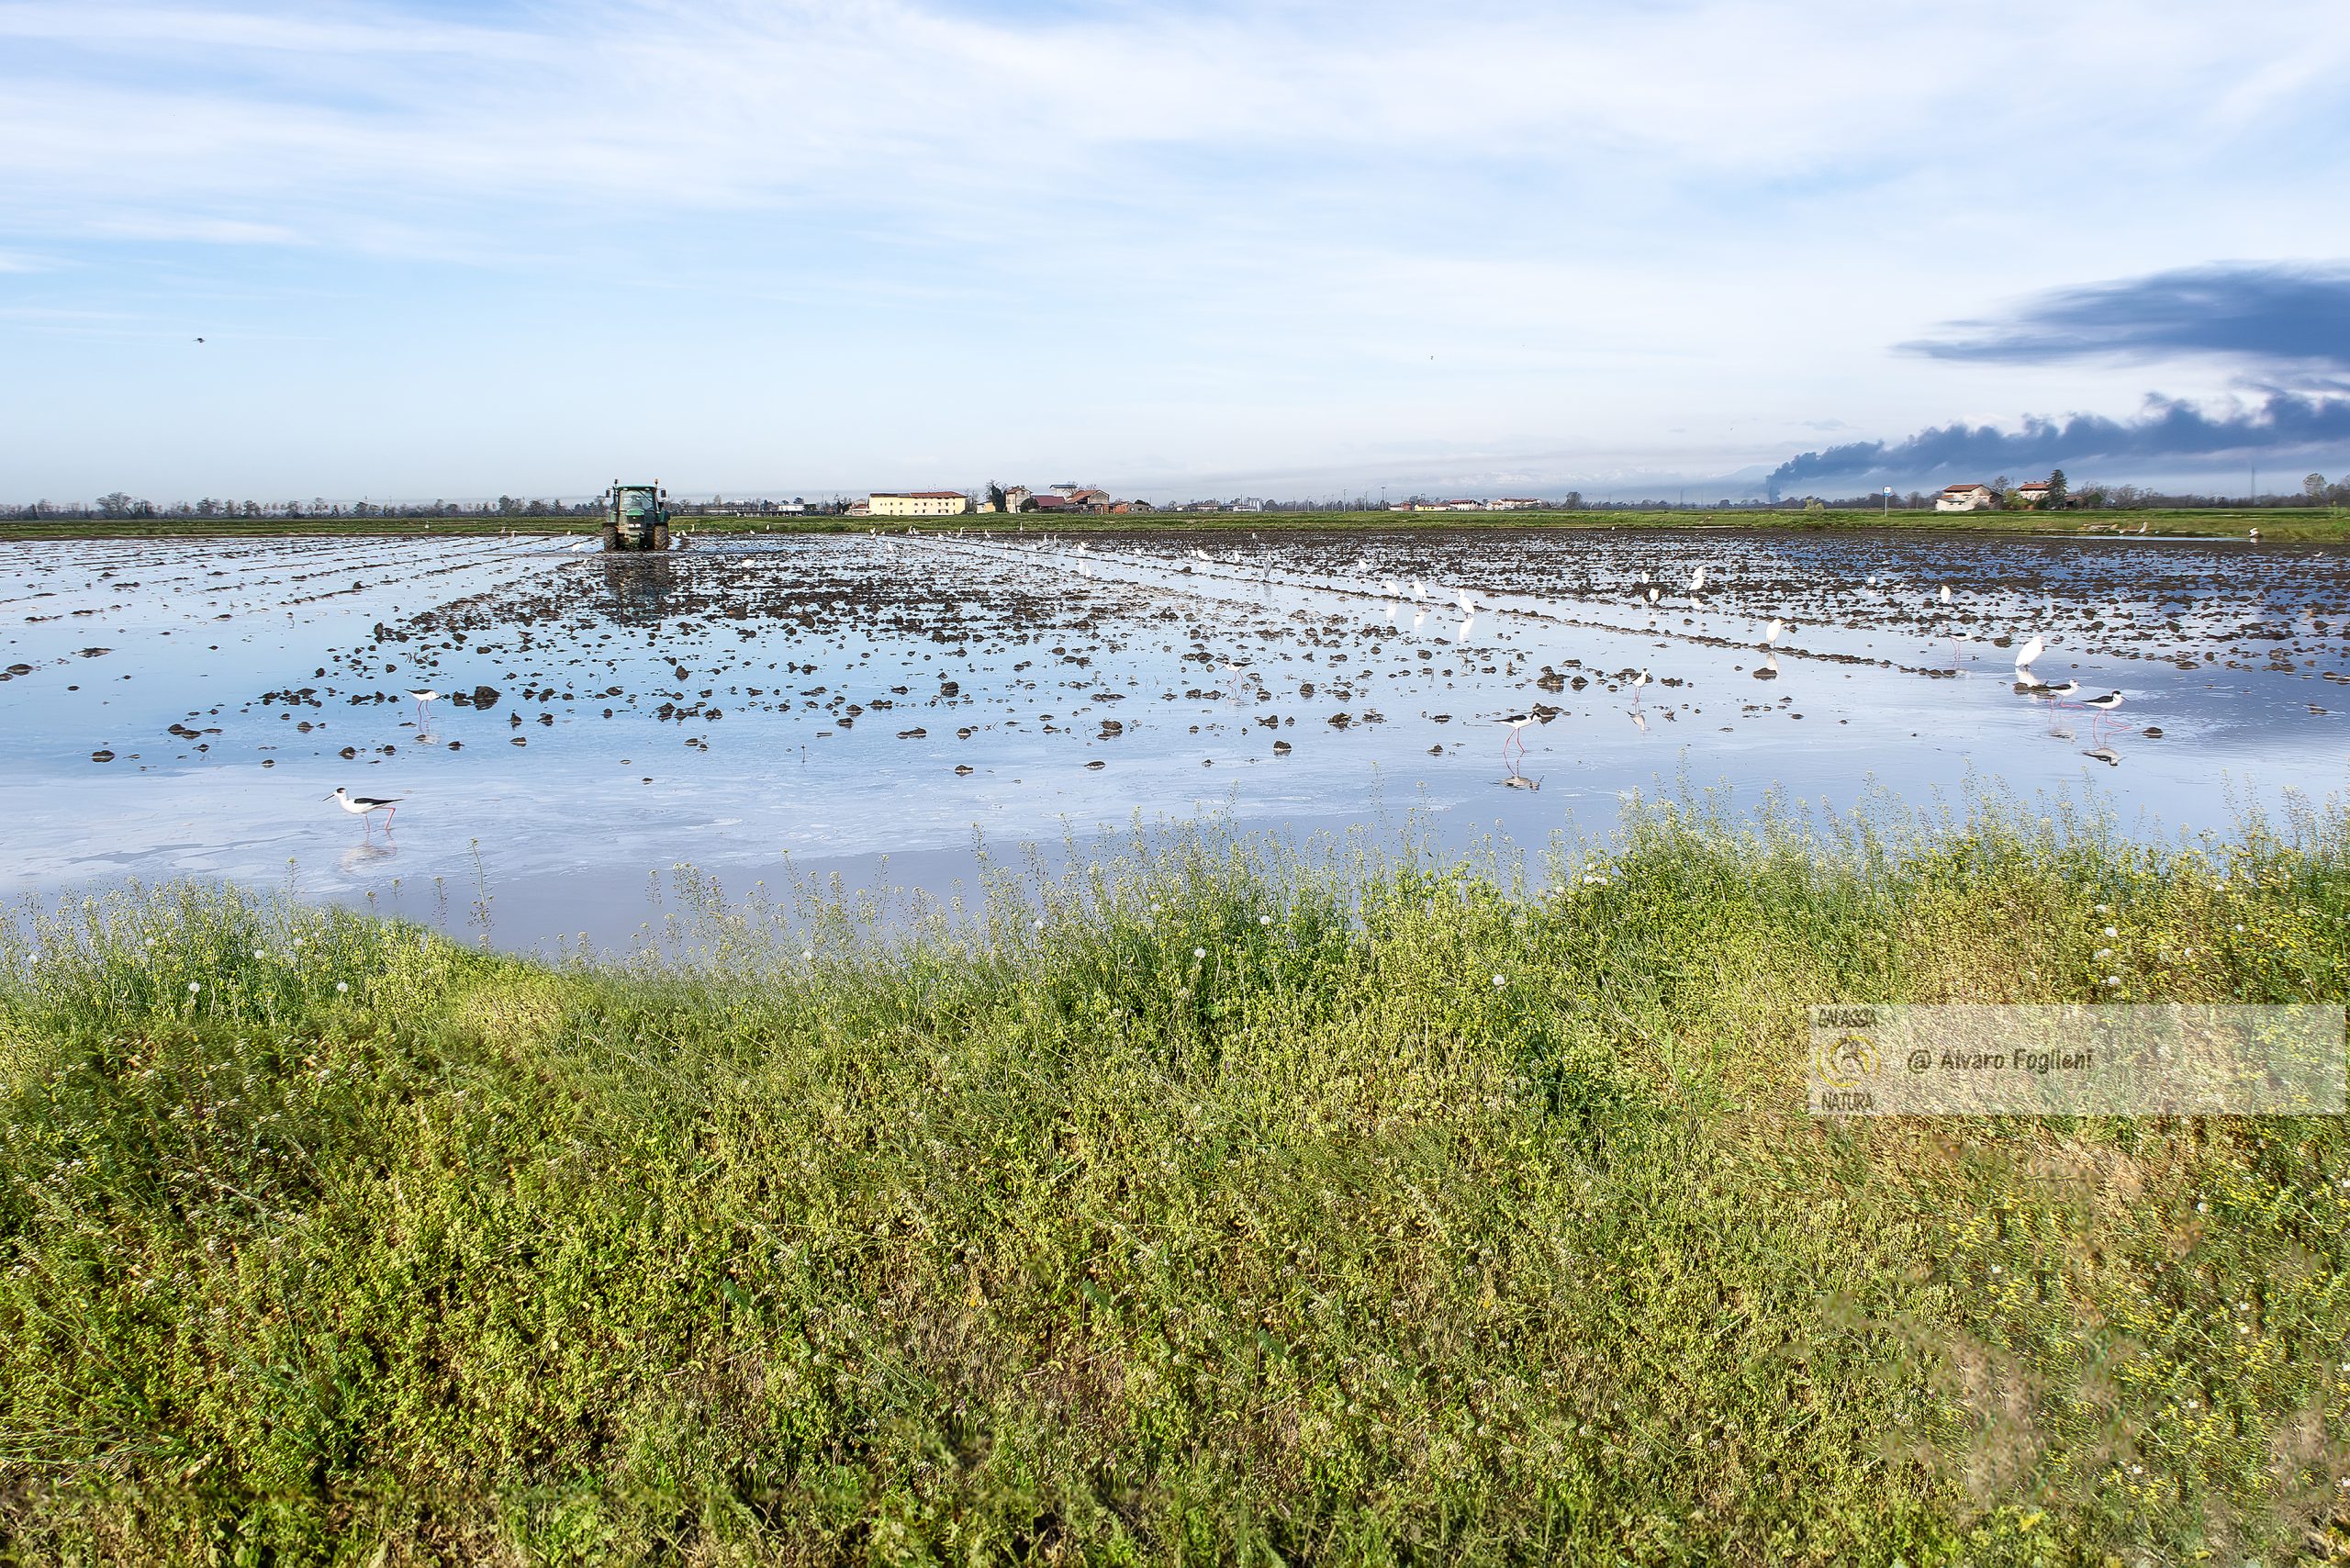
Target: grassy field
[
  {"x": 1215, "y": 1203},
  {"x": 2280, "y": 524}
]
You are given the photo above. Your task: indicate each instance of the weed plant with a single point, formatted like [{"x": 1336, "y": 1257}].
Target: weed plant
[{"x": 1212, "y": 1201}]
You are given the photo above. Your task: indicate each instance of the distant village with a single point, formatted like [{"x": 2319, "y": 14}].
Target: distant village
[
  {"x": 2055, "y": 493},
  {"x": 1075, "y": 500}
]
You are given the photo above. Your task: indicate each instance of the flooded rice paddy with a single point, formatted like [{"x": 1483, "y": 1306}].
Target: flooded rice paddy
[{"x": 870, "y": 703}]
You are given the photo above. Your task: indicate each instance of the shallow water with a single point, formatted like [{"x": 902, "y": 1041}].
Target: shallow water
[{"x": 823, "y": 704}]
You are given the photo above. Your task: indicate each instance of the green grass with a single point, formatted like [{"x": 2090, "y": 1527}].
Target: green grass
[
  {"x": 1254, "y": 1206},
  {"x": 2280, "y": 524}
]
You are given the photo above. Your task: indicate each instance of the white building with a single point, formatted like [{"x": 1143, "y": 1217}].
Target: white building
[
  {"x": 1966, "y": 497},
  {"x": 918, "y": 503}
]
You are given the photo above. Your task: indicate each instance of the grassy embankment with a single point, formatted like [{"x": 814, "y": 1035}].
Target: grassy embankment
[
  {"x": 1242, "y": 1207},
  {"x": 2275, "y": 524}
]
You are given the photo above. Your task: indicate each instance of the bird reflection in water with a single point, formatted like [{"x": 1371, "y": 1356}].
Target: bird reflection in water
[{"x": 359, "y": 856}]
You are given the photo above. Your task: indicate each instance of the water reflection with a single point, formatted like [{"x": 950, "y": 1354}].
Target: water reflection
[{"x": 360, "y": 857}]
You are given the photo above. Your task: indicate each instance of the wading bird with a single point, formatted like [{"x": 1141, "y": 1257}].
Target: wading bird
[
  {"x": 2029, "y": 652},
  {"x": 1772, "y": 633},
  {"x": 1514, "y": 723},
  {"x": 365, "y": 807},
  {"x": 420, "y": 699}
]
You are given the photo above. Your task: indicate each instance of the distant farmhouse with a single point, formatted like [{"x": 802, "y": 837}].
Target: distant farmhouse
[
  {"x": 917, "y": 503},
  {"x": 2037, "y": 494},
  {"x": 1065, "y": 499}
]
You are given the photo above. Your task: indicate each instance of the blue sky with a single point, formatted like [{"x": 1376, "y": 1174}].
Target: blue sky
[{"x": 1280, "y": 249}]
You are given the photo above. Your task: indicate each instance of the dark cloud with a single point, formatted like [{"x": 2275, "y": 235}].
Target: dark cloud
[
  {"x": 2275, "y": 314},
  {"x": 2168, "y": 433}
]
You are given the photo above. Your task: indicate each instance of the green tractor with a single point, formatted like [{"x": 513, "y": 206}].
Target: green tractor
[{"x": 636, "y": 517}]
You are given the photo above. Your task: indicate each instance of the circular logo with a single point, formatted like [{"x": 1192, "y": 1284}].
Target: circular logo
[{"x": 1848, "y": 1062}]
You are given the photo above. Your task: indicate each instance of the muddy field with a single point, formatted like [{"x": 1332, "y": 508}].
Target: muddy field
[{"x": 184, "y": 708}]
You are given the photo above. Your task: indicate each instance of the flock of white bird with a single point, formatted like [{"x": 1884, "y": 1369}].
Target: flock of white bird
[{"x": 1362, "y": 578}]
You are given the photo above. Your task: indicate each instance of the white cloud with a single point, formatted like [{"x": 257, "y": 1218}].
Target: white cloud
[
  {"x": 1316, "y": 228},
  {"x": 683, "y": 104}
]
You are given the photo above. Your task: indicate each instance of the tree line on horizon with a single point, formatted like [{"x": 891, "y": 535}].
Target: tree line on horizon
[{"x": 2315, "y": 490}]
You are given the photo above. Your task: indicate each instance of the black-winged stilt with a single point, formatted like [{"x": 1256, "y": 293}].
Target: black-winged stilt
[{"x": 365, "y": 807}]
